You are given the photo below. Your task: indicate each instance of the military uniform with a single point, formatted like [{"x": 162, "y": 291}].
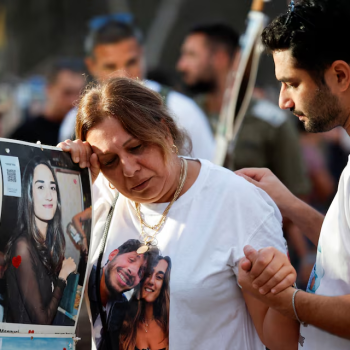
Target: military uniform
[{"x": 268, "y": 138}]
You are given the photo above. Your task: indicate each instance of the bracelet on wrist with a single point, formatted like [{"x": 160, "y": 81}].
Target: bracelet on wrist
[{"x": 294, "y": 309}]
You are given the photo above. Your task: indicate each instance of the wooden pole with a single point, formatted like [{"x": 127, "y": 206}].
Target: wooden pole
[{"x": 258, "y": 5}]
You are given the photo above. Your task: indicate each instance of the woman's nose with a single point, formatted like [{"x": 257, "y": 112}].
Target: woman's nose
[
  {"x": 48, "y": 195},
  {"x": 130, "y": 166},
  {"x": 151, "y": 280}
]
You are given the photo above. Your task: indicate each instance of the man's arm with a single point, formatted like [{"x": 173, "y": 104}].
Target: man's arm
[
  {"x": 330, "y": 314},
  {"x": 307, "y": 219},
  {"x": 302, "y": 215}
]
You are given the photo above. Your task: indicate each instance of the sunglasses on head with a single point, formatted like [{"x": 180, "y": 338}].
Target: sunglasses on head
[
  {"x": 99, "y": 21},
  {"x": 291, "y": 12}
]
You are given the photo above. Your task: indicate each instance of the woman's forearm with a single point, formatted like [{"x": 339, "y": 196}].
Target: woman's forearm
[
  {"x": 280, "y": 332},
  {"x": 275, "y": 330}
]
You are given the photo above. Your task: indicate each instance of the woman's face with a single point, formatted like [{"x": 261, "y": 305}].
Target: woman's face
[
  {"x": 137, "y": 170},
  {"x": 44, "y": 193},
  {"x": 153, "y": 283}
]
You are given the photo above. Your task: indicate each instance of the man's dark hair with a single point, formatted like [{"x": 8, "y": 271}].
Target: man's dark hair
[
  {"x": 315, "y": 32},
  {"x": 132, "y": 245},
  {"x": 74, "y": 65},
  {"x": 111, "y": 33},
  {"x": 218, "y": 34}
]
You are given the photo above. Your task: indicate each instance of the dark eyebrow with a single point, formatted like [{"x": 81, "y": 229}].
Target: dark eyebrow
[
  {"x": 102, "y": 154},
  {"x": 42, "y": 181},
  {"x": 287, "y": 80},
  {"x": 161, "y": 273}
]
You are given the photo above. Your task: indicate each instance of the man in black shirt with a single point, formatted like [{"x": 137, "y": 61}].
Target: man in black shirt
[{"x": 65, "y": 83}]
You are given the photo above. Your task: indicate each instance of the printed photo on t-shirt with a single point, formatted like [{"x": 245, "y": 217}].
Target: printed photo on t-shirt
[
  {"x": 130, "y": 298},
  {"x": 44, "y": 239}
]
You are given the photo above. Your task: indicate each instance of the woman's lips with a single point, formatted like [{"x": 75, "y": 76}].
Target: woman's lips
[
  {"x": 48, "y": 206},
  {"x": 141, "y": 186}
]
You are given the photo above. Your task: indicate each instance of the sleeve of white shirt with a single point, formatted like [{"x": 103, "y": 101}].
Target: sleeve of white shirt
[
  {"x": 267, "y": 234},
  {"x": 192, "y": 119}
]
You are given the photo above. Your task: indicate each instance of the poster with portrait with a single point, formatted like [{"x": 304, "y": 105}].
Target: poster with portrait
[{"x": 45, "y": 229}]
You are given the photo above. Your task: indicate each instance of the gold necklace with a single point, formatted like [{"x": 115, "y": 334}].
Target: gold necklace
[
  {"x": 146, "y": 323},
  {"x": 149, "y": 238}
]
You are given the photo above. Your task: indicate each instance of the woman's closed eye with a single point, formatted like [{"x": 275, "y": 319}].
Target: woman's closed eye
[
  {"x": 136, "y": 149},
  {"x": 110, "y": 161}
]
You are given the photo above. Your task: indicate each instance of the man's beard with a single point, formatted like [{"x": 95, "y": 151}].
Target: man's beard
[
  {"x": 323, "y": 111},
  {"x": 114, "y": 294},
  {"x": 201, "y": 87}
]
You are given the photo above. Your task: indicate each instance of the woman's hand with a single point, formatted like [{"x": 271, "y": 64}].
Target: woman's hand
[
  {"x": 68, "y": 266},
  {"x": 264, "y": 271},
  {"x": 81, "y": 153},
  {"x": 266, "y": 180}
]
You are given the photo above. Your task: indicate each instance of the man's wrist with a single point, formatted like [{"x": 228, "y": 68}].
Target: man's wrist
[
  {"x": 281, "y": 302},
  {"x": 294, "y": 208}
]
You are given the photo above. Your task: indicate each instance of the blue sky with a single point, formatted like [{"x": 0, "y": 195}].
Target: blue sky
[{"x": 35, "y": 343}]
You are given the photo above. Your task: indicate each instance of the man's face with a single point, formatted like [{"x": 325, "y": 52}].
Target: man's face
[
  {"x": 124, "y": 58},
  {"x": 196, "y": 64},
  {"x": 314, "y": 104},
  {"x": 62, "y": 93},
  {"x": 124, "y": 272}
]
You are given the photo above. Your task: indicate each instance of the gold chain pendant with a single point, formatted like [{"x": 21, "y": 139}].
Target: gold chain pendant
[
  {"x": 149, "y": 238},
  {"x": 143, "y": 249}
]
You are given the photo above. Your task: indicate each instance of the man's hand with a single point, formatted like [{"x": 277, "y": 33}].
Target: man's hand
[
  {"x": 266, "y": 270},
  {"x": 266, "y": 180}
]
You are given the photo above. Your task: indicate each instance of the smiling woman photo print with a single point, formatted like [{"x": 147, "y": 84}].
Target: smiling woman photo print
[
  {"x": 35, "y": 284},
  {"x": 147, "y": 320}
]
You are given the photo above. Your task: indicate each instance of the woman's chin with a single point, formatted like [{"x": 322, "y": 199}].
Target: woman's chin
[{"x": 148, "y": 300}]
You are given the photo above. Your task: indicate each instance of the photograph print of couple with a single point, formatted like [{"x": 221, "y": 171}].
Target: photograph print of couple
[{"x": 136, "y": 318}]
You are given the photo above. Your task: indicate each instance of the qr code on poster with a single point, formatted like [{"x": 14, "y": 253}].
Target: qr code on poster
[{"x": 11, "y": 175}]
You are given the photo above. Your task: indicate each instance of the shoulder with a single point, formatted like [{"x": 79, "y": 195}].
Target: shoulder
[
  {"x": 176, "y": 101},
  {"x": 237, "y": 194},
  {"x": 22, "y": 247},
  {"x": 181, "y": 102},
  {"x": 268, "y": 112}
]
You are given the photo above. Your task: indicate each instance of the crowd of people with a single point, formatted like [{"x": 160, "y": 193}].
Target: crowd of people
[{"x": 156, "y": 153}]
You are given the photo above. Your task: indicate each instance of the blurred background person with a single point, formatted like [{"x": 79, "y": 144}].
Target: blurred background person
[
  {"x": 115, "y": 47},
  {"x": 65, "y": 82},
  {"x": 267, "y": 137}
]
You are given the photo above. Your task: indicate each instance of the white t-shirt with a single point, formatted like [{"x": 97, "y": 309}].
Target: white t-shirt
[
  {"x": 204, "y": 236},
  {"x": 331, "y": 273},
  {"x": 184, "y": 110}
]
